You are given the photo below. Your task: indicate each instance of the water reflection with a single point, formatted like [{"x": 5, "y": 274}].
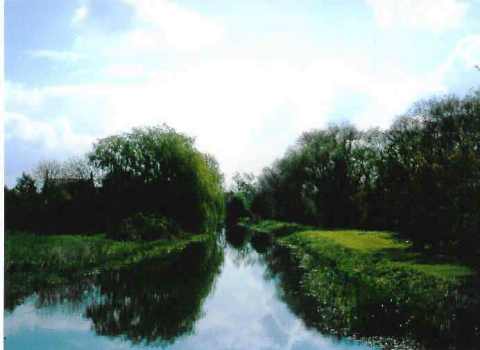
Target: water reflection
[
  {"x": 156, "y": 301},
  {"x": 238, "y": 239},
  {"x": 50, "y": 289}
]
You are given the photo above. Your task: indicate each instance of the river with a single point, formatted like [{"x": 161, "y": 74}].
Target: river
[{"x": 220, "y": 297}]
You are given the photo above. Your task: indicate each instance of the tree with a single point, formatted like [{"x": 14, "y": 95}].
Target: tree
[
  {"x": 158, "y": 170},
  {"x": 22, "y": 204},
  {"x": 420, "y": 177},
  {"x": 244, "y": 186},
  {"x": 431, "y": 172},
  {"x": 47, "y": 170}
]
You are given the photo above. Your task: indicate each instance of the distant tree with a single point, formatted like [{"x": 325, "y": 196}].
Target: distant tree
[
  {"x": 69, "y": 199},
  {"x": 244, "y": 185},
  {"x": 22, "y": 204},
  {"x": 80, "y": 168},
  {"x": 26, "y": 186},
  {"x": 236, "y": 208},
  {"x": 47, "y": 170}
]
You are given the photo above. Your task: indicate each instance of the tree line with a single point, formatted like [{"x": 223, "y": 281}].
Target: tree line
[
  {"x": 420, "y": 177},
  {"x": 148, "y": 183}
]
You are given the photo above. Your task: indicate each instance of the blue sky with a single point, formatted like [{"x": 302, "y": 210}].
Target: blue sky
[{"x": 244, "y": 77}]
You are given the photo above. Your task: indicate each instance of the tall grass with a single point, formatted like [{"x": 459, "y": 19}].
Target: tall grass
[{"x": 63, "y": 253}]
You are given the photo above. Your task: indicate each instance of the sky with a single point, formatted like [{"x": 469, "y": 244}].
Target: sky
[{"x": 245, "y": 78}]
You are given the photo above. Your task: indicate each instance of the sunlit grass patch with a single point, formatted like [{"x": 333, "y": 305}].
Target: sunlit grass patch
[
  {"x": 365, "y": 241},
  {"x": 373, "y": 247}
]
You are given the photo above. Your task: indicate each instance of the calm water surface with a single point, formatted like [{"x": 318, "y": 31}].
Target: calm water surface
[{"x": 218, "y": 297}]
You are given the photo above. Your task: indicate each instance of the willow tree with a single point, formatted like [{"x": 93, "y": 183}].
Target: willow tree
[{"x": 157, "y": 170}]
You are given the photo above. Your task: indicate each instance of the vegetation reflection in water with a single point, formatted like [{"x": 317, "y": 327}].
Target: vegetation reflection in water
[
  {"x": 152, "y": 302},
  {"x": 163, "y": 303},
  {"x": 156, "y": 301}
]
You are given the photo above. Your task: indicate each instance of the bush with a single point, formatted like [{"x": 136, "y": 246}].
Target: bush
[{"x": 142, "y": 226}]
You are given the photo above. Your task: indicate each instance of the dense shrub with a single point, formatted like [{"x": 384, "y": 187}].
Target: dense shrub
[{"x": 142, "y": 226}]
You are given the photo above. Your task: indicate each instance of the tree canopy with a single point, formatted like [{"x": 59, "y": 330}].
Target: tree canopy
[
  {"x": 420, "y": 177},
  {"x": 158, "y": 170}
]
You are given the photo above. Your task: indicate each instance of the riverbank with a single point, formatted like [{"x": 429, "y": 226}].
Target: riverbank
[
  {"x": 34, "y": 262},
  {"x": 67, "y": 253},
  {"x": 372, "y": 247},
  {"x": 369, "y": 283}
]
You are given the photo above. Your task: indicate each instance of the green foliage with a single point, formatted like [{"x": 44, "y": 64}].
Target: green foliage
[
  {"x": 236, "y": 208},
  {"x": 26, "y": 186},
  {"x": 21, "y": 202},
  {"x": 275, "y": 228},
  {"x": 430, "y": 172},
  {"x": 70, "y": 253},
  {"x": 158, "y": 170},
  {"x": 244, "y": 186},
  {"x": 240, "y": 198},
  {"x": 153, "y": 170},
  {"x": 148, "y": 227},
  {"x": 420, "y": 177},
  {"x": 319, "y": 180},
  {"x": 59, "y": 197}
]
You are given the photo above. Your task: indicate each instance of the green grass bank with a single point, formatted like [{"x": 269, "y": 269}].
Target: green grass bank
[
  {"x": 67, "y": 253},
  {"x": 364, "y": 248},
  {"x": 370, "y": 283}
]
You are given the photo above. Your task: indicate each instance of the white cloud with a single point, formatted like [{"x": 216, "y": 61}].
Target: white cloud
[
  {"x": 80, "y": 14},
  {"x": 27, "y": 317},
  {"x": 393, "y": 95},
  {"x": 433, "y": 15},
  {"x": 126, "y": 71},
  {"x": 52, "y": 135},
  {"x": 18, "y": 97},
  {"x": 245, "y": 105},
  {"x": 54, "y": 55},
  {"x": 171, "y": 24},
  {"x": 244, "y": 111}
]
